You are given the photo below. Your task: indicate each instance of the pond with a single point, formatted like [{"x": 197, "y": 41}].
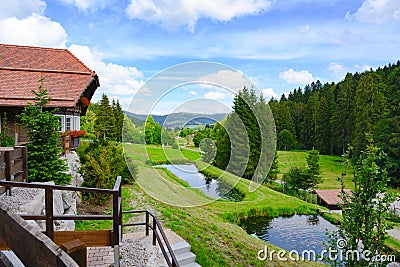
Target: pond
[
  {"x": 213, "y": 188},
  {"x": 297, "y": 232}
]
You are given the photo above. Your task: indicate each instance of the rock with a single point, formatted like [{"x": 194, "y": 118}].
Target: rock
[
  {"x": 64, "y": 202},
  {"x": 36, "y": 206}
]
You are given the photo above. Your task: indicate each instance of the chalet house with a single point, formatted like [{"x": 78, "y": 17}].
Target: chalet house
[{"x": 70, "y": 84}]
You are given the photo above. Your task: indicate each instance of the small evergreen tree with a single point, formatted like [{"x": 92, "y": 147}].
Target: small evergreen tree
[
  {"x": 119, "y": 120},
  {"x": 207, "y": 146},
  {"x": 274, "y": 170},
  {"x": 104, "y": 124},
  {"x": 305, "y": 178},
  {"x": 298, "y": 177},
  {"x": 101, "y": 162},
  {"x": 313, "y": 162},
  {"x": 223, "y": 148},
  {"x": 44, "y": 147}
]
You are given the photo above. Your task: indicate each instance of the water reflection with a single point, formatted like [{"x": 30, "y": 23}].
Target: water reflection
[
  {"x": 213, "y": 188},
  {"x": 298, "y": 232}
]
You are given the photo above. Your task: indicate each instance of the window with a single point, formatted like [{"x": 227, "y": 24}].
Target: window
[
  {"x": 68, "y": 123},
  {"x": 77, "y": 123},
  {"x": 62, "y": 122}
]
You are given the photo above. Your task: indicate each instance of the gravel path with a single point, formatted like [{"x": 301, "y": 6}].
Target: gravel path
[
  {"x": 136, "y": 250},
  {"x": 140, "y": 252}
]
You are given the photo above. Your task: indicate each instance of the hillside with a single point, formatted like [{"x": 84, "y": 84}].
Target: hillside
[{"x": 179, "y": 119}]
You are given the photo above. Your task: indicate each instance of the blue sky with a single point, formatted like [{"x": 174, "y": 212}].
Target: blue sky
[{"x": 279, "y": 44}]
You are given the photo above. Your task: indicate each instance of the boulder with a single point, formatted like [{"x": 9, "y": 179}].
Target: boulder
[{"x": 64, "y": 202}]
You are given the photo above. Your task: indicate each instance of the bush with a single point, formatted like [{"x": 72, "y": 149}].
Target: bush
[
  {"x": 175, "y": 145},
  {"x": 5, "y": 139},
  {"x": 101, "y": 162},
  {"x": 89, "y": 136},
  {"x": 297, "y": 177}
]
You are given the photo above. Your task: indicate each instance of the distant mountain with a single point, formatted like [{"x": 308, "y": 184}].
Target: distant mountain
[{"x": 179, "y": 119}]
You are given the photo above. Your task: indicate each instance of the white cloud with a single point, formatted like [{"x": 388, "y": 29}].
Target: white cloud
[
  {"x": 85, "y": 5},
  {"x": 215, "y": 95},
  {"x": 233, "y": 80},
  {"x": 269, "y": 93},
  {"x": 34, "y": 30},
  {"x": 377, "y": 11},
  {"x": 297, "y": 77},
  {"x": 340, "y": 70},
  {"x": 172, "y": 14},
  {"x": 193, "y": 93},
  {"x": 22, "y": 22},
  {"x": 21, "y": 8},
  {"x": 117, "y": 81}
]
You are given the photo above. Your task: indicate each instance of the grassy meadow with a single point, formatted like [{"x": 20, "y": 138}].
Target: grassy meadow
[
  {"x": 159, "y": 154},
  {"x": 331, "y": 168}
]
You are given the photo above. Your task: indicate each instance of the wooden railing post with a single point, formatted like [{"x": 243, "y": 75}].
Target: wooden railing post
[
  {"x": 154, "y": 231},
  {"x": 7, "y": 158},
  {"x": 24, "y": 163},
  {"x": 147, "y": 223},
  {"x": 48, "y": 198},
  {"x": 117, "y": 219}
]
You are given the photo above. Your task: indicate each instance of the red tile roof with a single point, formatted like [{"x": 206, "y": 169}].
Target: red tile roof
[
  {"x": 65, "y": 77},
  {"x": 331, "y": 197}
]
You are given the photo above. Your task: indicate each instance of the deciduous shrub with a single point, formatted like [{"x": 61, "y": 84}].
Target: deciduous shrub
[{"x": 5, "y": 139}]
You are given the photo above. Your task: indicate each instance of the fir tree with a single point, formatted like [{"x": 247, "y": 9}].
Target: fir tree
[
  {"x": 44, "y": 147},
  {"x": 274, "y": 170},
  {"x": 119, "y": 120},
  {"x": 369, "y": 108},
  {"x": 104, "y": 124}
]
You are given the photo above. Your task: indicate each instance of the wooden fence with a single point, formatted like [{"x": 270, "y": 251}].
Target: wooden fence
[
  {"x": 91, "y": 238},
  {"x": 13, "y": 166},
  {"x": 36, "y": 249}
]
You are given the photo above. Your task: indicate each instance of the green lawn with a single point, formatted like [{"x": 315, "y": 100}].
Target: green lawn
[
  {"x": 331, "y": 168},
  {"x": 159, "y": 155}
]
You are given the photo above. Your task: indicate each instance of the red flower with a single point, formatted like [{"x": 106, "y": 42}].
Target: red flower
[
  {"x": 85, "y": 101},
  {"x": 75, "y": 133}
]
